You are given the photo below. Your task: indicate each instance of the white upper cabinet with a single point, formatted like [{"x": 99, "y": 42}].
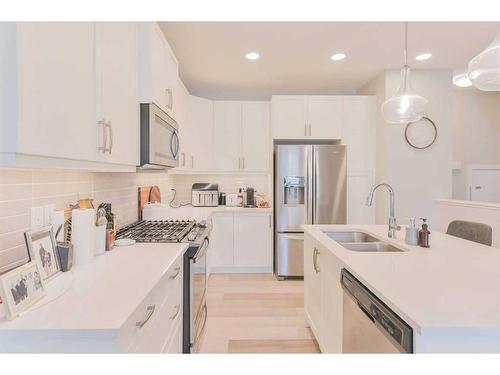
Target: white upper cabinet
[
  {"x": 307, "y": 117},
  {"x": 198, "y": 135},
  {"x": 325, "y": 116},
  {"x": 158, "y": 69},
  {"x": 227, "y": 142},
  {"x": 289, "y": 117},
  {"x": 117, "y": 105},
  {"x": 242, "y": 136},
  {"x": 256, "y": 137},
  {"x": 69, "y": 95}
]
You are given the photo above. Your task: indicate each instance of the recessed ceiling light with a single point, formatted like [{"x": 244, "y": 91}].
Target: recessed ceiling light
[
  {"x": 462, "y": 80},
  {"x": 338, "y": 56},
  {"x": 423, "y": 56},
  {"x": 252, "y": 56}
]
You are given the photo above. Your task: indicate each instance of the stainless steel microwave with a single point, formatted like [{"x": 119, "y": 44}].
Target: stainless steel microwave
[{"x": 159, "y": 138}]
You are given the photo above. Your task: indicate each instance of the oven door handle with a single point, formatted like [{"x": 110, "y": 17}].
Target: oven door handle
[{"x": 202, "y": 250}]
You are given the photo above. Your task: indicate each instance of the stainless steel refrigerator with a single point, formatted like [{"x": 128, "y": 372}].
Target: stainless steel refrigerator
[{"x": 309, "y": 188}]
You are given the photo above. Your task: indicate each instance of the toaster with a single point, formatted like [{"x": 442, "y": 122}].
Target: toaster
[{"x": 204, "y": 195}]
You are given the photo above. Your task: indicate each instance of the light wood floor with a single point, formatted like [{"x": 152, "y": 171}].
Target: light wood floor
[{"x": 255, "y": 313}]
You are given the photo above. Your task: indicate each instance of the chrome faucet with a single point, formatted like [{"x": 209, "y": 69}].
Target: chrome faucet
[{"x": 393, "y": 226}]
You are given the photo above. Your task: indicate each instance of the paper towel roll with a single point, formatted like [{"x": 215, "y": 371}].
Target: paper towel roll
[
  {"x": 100, "y": 240},
  {"x": 82, "y": 235}
]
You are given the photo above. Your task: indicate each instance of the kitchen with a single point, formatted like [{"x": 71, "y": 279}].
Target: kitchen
[{"x": 154, "y": 201}]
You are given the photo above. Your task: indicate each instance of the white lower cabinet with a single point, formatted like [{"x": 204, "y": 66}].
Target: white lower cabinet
[
  {"x": 241, "y": 242},
  {"x": 155, "y": 326},
  {"x": 312, "y": 286},
  {"x": 323, "y": 295}
]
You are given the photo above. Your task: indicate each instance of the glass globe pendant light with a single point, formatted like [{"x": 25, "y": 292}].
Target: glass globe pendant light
[
  {"x": 484, "y": 69},
  {"x": 405, "y": 105}
]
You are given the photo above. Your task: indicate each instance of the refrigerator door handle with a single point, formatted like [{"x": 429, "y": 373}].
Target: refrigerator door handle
[{"x": 310, "y": 185}]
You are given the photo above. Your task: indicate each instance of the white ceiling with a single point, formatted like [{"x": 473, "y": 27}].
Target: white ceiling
[{"x": 295, "y": 56}]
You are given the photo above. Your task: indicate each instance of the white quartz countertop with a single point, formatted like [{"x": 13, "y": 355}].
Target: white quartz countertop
[
  {"x": 164, "y": 211},
  {"x": 454, "y": 284},
  {"x": 101, "y": 294}
]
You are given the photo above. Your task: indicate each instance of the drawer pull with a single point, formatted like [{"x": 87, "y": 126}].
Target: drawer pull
[
  {"x": 151, "y": 310},
  {"x": 177, "y": 309},
  {"x": 177, "y": 271}
]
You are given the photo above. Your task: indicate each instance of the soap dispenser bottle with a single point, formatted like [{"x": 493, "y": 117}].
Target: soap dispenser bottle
[{"x": 423, "y": 234}]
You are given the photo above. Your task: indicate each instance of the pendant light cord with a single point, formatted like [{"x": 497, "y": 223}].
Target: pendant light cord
[{"x": 406, "y": 43}]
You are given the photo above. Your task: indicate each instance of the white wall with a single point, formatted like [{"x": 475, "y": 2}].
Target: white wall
[
  {"x": 417, "y": 176},
  {"x": 476, "y": 134}
]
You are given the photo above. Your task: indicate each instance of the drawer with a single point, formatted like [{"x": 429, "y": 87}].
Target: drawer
[
  {"x": 154, "y": 310},
  {"x": 174, "y": 342}
]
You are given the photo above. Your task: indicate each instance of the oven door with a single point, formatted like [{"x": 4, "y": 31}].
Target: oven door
[{"x": 198, "y": 281}]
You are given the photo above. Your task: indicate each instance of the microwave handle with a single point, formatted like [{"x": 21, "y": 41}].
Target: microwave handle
[{"x": 174, "y": 139}]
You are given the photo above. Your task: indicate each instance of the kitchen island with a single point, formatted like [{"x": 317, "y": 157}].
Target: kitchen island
[
  {"x": 99, "y": 307},
  {"x": 449, "y": 294}
]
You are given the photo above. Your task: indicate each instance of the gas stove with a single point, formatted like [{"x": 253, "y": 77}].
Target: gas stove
[{"x": 162, "y": 231}]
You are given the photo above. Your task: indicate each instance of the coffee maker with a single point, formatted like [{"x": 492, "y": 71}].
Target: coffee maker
[{"x": 249, "y": 197}]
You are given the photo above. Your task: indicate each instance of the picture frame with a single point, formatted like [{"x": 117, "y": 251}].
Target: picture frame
[
  {"x": 21, "y": 287},
  {"x": 42, "y": 248}
]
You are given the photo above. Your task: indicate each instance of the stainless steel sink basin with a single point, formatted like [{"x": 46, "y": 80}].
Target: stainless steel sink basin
[
  {"x": 344, "y": 236},
  {"x": 371, "y": 247}
]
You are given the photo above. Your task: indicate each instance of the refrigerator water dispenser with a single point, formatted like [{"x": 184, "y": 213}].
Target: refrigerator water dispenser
[{"x": 294, "y": 190}]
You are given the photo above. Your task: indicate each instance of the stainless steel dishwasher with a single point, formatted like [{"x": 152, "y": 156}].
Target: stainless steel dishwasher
[{"x": 369, "y": 326}]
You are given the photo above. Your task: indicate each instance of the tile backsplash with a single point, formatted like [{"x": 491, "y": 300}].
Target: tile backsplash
[{"x": 21, "y": 189}]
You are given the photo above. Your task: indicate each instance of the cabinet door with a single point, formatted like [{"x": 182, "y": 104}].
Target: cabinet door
[
  {"x": 256, "y": 137},
  {"x": 289, "y": 117},
  {"x": 227, "y": 130},
  {"x": 57, "y": 90},
  {"x": 165, "y": 73},
  {"x": 312, "y": 285},
  {"x": 325, "y": 117},
  {"x": 116, "y": 46},
  {"x": 222, "y": 241},
  {"x": 252, "y": 240},
  {"x": 200, "y": 125},
  {"x": 331, "y": 303}
]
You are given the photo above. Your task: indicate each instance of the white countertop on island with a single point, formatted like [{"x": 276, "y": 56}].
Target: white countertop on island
[
  {"x": 102, "y": 294},
  {"x": 454, "y": 285}
]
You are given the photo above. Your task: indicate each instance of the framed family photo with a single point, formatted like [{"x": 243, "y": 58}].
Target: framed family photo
[
  {"x": 42, "y": 248},
  {"x": 21, "y": 287}
]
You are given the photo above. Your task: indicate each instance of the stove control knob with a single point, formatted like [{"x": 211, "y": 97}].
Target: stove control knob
[{"x": 191, "y": 236}]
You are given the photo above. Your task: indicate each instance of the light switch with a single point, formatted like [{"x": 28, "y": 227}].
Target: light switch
[{"x": 37, "y": 217}]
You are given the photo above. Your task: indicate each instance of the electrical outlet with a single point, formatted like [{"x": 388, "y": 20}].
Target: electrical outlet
[
  {"x": 37, "y": 217},
  {"x": 47, "y": 211}
]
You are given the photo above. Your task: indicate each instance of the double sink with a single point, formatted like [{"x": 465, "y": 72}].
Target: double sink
[{"x": 361, "y": 241}]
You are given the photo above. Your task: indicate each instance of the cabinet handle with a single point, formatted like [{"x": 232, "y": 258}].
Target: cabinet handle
[
  {"x": 192, "y": 161},
  {"x": 305, "y": 129},
  {"x": 270, "y": 222},
  {"x": 315, "y": 260},
  {"x": 243, "y": 162},
  {"x": 177, "y": 309},
  {"x": 170, "y": 104},
  {"x": 183, "y": 157},
  {"x": 239, "y": 163},
  {"x": 177, "y": 271},
  {"x": 151, "y": 310},
  {"x": 110, "y": 128},
  {"x": 102, "y": 127},
  {"x": 310, "y": 131}
]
